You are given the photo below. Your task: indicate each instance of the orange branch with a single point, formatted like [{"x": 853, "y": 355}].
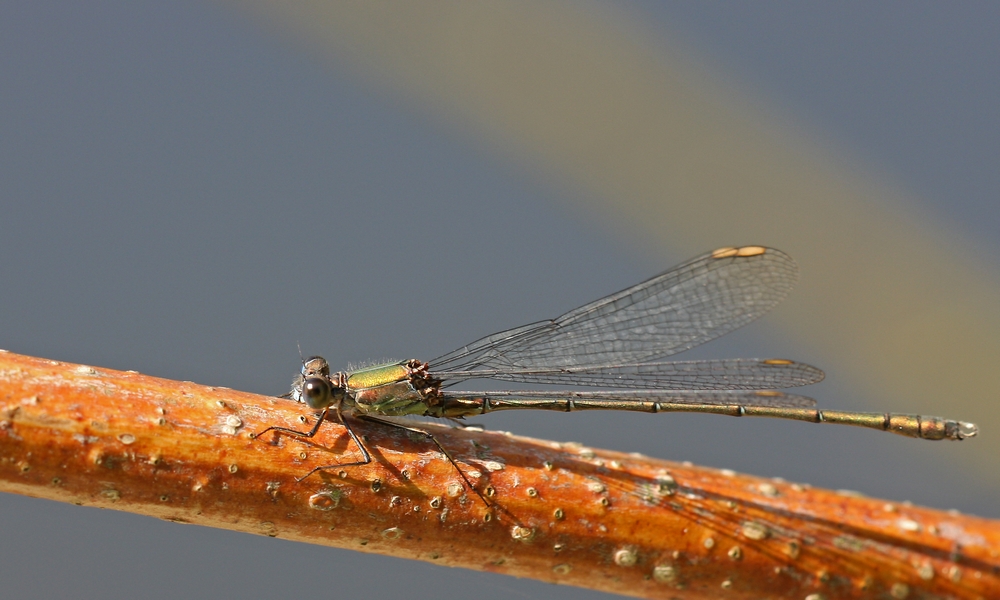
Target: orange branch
[{"x": 562, "y": 513}]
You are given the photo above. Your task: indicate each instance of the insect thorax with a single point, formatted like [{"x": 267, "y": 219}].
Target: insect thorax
[{"x": 395, "y": 389}]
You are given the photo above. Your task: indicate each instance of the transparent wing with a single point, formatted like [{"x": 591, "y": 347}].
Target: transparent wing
[
  {"x": 724, "y": 374},
  {"x": 686, "y": 306},
  {"x": 632, "y": 399}
]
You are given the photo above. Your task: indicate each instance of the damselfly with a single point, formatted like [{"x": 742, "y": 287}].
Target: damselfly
[{"x": 616, "y": 342}]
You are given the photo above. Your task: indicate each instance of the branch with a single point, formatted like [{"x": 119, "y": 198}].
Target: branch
[{"x": 561, "y": 513}]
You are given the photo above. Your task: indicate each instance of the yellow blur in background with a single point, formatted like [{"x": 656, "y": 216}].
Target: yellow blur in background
[{"x": 671, "y": 156}]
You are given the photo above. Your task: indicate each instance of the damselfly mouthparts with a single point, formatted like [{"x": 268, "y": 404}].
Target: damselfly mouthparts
[{"x": 616, "y": 342}]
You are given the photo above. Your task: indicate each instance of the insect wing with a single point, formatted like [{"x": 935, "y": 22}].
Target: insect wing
[
  {"x": 634, "y": 399},
  {"x": 722, "y": 374},
  {"x": 688, "y": 305}
]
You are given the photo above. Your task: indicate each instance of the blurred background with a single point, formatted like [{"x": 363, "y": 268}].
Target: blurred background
[{"x": 190, "y": 189}]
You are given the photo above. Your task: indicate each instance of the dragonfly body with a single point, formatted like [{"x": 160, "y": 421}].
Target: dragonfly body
[
  {"x": 407, "y": 388},
  {"x": 616, "y": 343}
]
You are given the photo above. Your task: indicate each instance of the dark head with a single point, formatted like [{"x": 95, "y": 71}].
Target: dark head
[
  {"x": 315, "y": 387},
  {"x": 315, "y": 366}
]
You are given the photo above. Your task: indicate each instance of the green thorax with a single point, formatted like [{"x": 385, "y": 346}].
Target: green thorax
[
  {"x": 376, "y": 375},
  {"x": 385, "y": 390}
]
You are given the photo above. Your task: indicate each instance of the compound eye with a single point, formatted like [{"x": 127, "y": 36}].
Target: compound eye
[{"x": 316, "y": 392}]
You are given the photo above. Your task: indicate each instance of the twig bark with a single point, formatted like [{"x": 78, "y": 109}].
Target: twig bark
[{"x": 559, "y": 512}]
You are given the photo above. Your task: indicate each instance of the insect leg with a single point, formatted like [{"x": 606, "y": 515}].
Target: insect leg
[
  {"x": 364, "y": 451},
  {"x": 460, "y": 424},
  {"x": 431, "y": 437},
  {"x": 319, "y": 421}
]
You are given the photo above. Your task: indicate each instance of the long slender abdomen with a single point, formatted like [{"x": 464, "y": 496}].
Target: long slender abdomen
[{"x": 917, "y": 426}]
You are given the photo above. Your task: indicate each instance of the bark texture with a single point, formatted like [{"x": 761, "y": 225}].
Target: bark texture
[{"x": 562, "y": 513}]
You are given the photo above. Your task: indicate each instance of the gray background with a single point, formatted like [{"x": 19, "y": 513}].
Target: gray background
[{"x": 171, "y": 176}]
